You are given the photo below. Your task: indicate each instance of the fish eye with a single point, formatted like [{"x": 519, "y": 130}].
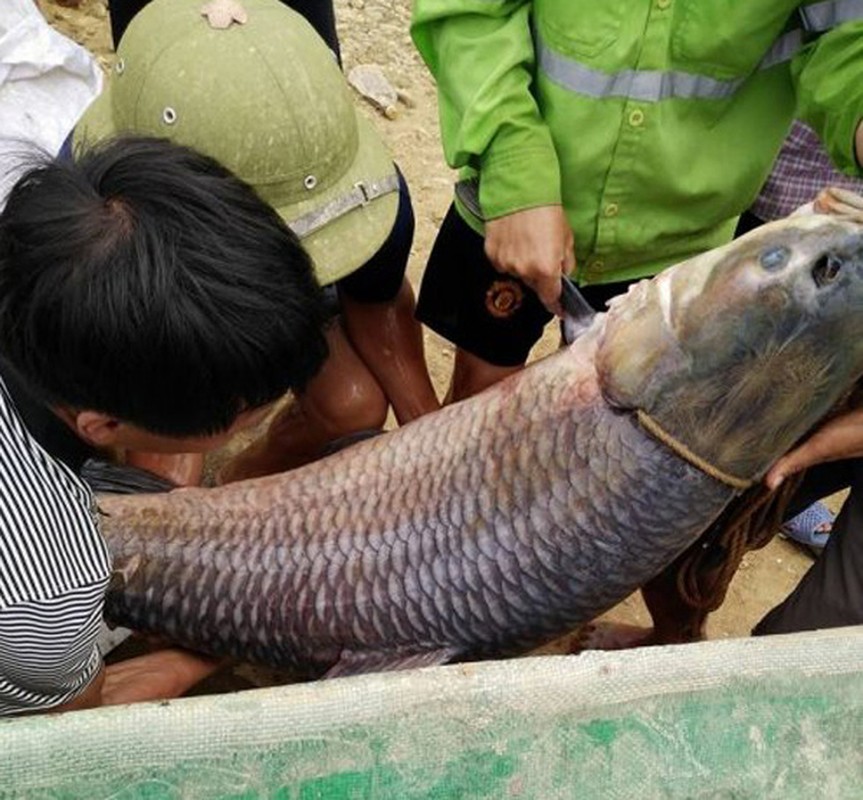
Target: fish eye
[
  {"x": 826, "y": 269},
  {"x": 775, "y": 258}
]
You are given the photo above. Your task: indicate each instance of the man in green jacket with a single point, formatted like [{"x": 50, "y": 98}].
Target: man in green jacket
[{"x": 609, "y": 140}]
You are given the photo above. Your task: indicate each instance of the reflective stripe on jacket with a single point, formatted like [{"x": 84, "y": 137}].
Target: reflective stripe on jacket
[{"x": 654, "y": 122}]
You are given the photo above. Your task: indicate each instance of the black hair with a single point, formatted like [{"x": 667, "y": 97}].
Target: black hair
[{"x": 144, "y": 280}]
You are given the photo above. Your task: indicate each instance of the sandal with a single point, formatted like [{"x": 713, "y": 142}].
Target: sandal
[{"x": 810, "y": 528}]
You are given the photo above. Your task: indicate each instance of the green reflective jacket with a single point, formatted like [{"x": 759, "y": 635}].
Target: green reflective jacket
[{"x": 654, "y": 122}]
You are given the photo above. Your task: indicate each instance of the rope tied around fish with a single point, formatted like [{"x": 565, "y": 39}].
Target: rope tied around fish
[
  {"x": 658, "y": 432},
  {"x": 751, "y": 525}
]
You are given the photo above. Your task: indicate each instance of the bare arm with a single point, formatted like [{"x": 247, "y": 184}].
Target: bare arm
[
  {"x": 840, "y": 438},
  {"x": 161, "y": 675}
]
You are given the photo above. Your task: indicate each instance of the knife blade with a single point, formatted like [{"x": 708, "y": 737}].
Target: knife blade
[{"x": 578, "y": 312}]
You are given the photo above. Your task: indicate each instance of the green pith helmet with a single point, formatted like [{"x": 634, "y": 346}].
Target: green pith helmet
[{"x": 267, "y": 100}]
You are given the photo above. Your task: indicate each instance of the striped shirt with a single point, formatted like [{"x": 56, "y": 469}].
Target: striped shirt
[{"x": 54, "y": 569}]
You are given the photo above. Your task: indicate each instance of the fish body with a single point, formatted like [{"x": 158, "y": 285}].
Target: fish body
[
  {"x": 503, "y": 521},
  {"x": 488, "y": 527}
]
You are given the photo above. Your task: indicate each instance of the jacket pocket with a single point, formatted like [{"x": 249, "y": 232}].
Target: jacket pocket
[
  {"x": 726, "y": 38},
  {"x": 579, "y": 28}
]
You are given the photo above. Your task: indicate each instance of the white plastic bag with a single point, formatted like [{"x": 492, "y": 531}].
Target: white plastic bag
[{"x": 46, "y": 82}]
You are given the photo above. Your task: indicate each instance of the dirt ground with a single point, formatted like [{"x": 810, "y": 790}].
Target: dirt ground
[{"x": 376, "y": 32}]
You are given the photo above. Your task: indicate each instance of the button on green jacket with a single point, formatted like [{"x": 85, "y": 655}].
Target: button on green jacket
[{"x": 654, "y": 122}]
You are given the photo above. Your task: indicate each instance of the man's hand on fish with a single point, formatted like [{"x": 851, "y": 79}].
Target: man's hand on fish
[
  {"x": 840, "y": 438},
  {"x": 160, "y": 675},
  {"x": 536, "y": 245}
]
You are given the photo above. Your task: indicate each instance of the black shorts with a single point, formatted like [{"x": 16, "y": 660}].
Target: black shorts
[
  {"x": 485, "y": 312},
  {"x": 380, "y": 278},
  {"x": 319, "y": 14}
]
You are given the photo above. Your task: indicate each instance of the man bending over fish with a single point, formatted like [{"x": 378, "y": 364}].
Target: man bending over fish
[
  {"x": 263, "y": 94},
  {"x": 148, "y": 300}
]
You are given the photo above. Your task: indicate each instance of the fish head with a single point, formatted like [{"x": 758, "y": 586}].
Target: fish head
[{"x": 741, "y": 351}]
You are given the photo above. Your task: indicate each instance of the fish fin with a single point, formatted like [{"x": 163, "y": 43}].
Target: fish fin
[
  {"x": 352, "y": 662},
  {"x": 106, "y": 478},
  {"x": 121, "y": 575}
]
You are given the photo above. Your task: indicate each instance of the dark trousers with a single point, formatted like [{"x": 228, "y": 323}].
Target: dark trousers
[
  {"x": 830, "y": 594},
  {"x": 319, "y": 13}
]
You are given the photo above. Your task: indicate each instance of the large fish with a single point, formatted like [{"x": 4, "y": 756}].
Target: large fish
[{"x": 505, "y": 520}]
